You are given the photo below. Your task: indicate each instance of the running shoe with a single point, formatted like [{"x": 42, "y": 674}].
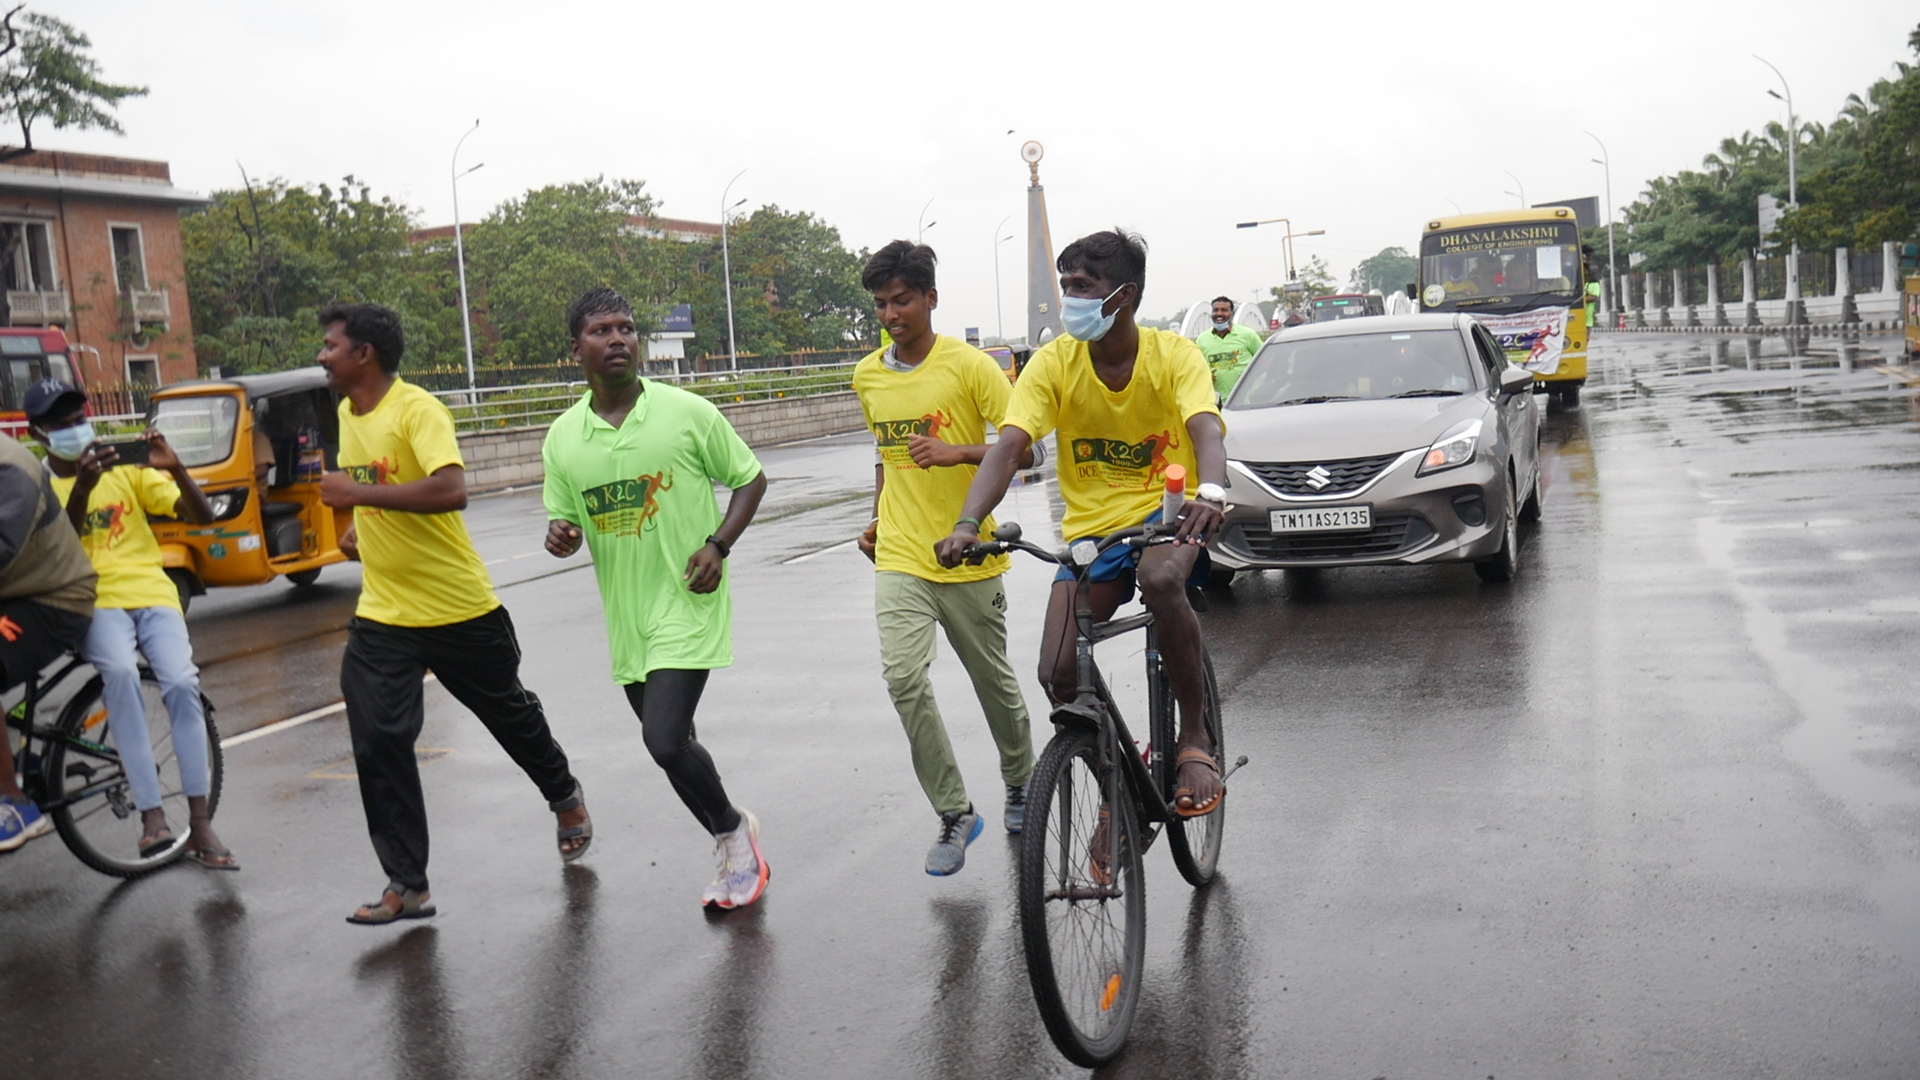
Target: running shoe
[
  {"x": 949, "y": 851},
  {"x": 1016, "y": 815},
  {"x": 20, "y": 822},
  {"x": 743, "y": 874}
]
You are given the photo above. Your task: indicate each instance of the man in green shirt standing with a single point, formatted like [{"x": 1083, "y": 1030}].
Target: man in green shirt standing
[
  {"x": 1228, "y": 346},
  {"x": 631, "y": 469}
]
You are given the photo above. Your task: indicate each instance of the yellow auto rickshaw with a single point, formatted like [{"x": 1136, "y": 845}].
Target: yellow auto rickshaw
[{"x": 258, "y": 445}]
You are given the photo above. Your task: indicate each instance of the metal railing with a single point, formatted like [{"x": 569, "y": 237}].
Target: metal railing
[{"x": 497, "y": 408}]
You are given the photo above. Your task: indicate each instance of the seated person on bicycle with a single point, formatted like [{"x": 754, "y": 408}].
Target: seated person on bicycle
[
  {"x": 1127, "y": 402},
  {"x": 46, "y": 605},
  {"x": 138, "y": 610}
]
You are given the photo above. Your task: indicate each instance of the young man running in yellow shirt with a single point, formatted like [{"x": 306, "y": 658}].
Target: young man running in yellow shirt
[
  {"x": 928, "y": 400},
  {"x": 426, "y": 604},
  {"x": 1126, "y": 402},
  {"x": 630, "y": 470}
]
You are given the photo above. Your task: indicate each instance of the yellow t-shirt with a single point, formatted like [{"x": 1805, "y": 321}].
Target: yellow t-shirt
[
  {"x": 421, "y": 569},
  {"x": 952, "y": 395},
  {"x": 118, "y": 539},
  {"x": 1113, "y": 448}
]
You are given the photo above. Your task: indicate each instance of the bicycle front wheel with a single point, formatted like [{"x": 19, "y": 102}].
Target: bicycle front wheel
[
  {"x": 93, "y": 803},
  {"x": 1195, "y": 841},
  {"x": 1083, "y": 914}
]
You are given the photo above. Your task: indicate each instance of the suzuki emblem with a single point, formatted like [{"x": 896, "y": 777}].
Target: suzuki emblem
[{"x": 1318, "y": 477}]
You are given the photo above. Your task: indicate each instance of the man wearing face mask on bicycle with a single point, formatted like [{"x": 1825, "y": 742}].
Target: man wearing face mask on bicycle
[
  {"x": 1128, "y": 403},
  {"x": 1228, "y": 346}
]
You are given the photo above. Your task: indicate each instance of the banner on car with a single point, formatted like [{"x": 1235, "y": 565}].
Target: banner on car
[{"x": 1533, "y": 339}]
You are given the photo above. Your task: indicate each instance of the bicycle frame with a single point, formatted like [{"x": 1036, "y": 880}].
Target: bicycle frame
[{"x": 21, "y": 716}]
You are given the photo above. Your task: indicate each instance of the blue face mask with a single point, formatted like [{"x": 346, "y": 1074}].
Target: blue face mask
[
  {"x": 1082, "y": 319},
  {"x": 68, "y": 443},
  {"x": 1221, "y": 324}
]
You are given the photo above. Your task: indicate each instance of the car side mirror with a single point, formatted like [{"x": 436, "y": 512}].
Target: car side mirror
[{"x": 1514, "y": 381}]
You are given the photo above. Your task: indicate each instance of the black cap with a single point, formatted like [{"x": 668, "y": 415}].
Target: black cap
[{"x": 49, "y": 396}]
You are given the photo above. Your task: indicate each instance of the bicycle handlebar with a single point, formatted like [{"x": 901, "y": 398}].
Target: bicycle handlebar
[{"x": 1006, "y": 538}]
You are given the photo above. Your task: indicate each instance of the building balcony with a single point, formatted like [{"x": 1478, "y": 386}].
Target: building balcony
[
  {"x": 149, "y": 306},
  {"x": 32, "y": 308}
]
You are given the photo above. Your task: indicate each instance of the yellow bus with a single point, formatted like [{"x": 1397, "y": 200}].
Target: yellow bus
[{"x": 1519, "y": 272}]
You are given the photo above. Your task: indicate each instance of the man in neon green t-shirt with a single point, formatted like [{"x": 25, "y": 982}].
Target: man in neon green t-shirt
[
  {"x": 928, "y": 400},
  {"x": 630, "y": 470},
  {"x": 1228, "y": 346}
]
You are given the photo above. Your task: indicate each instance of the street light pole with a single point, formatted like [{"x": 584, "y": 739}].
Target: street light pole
[
  {"x": 999, "y": 319},
  {"x": 1286, "y": 242},
  {"x": 1613, "y": 278},
  {"x": 1522, "y": 193},
  {"x": 921, "y": 226},
  {"x": 726, "y": 269},
  {"x": 1793, "y": 190},
  {"x": 460, "y": 255}
]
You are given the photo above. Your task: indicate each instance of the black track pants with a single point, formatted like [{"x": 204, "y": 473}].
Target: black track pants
[{"x": 665, "y": 704}]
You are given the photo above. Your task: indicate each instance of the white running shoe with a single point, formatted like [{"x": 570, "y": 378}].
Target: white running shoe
[{"x": 743, "y": 874}]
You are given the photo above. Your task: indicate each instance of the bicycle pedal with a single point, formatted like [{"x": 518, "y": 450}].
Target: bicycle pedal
[{"x": 1233, "y": 768}]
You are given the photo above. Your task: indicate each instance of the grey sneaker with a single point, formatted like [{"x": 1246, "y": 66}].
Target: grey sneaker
[
  {"x": 1016, "y": 816},
  {"x": 949, "y": 851}
]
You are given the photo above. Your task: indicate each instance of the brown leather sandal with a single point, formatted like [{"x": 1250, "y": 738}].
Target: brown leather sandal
[{"x": 1183, "y": 803}]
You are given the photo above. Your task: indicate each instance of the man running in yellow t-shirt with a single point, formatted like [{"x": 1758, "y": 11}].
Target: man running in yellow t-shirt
[
  {"x": 1127, "y": 403},
  {"x": 426, "y": 604},
  {"x": 928, "y": 400}
]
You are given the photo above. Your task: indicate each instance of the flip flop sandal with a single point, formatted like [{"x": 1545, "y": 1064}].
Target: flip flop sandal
[
  {"x": 413, "y": 905},
  {"x": 213, "y": 860},
  {"x": 156, "y": 844},
  {"x": 582, "y": 832},
  {"x": 1187, "y": 756}
]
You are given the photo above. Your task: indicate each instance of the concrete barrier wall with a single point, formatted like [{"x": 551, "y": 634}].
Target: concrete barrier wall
[{"x": 511, "y": 458}]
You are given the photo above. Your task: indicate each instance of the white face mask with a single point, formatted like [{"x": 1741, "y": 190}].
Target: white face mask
[
  {"x": 1082, "y": 318},
  {"x": 1220, "y": 323},
  {"x": 68, "y": 443}
]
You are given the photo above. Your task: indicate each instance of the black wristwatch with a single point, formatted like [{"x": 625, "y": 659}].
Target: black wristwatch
[{"x": 720, "y": 545}]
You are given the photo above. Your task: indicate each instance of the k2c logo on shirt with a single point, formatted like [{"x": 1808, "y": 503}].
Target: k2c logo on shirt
[
  {"x": 893, "y": 436},
  {"x": 1124, "y": 465},
  {"x": 105, "y": 525},
  {"x": 377, "y": 472},
  {"x": 625, "y": 507}
]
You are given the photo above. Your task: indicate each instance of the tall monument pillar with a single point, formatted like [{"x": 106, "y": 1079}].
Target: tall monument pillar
[{"x": 1043, "y": 285}]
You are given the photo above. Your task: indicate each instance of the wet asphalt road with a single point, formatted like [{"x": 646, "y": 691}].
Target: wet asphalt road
[{"x": 1651, "y": 811}]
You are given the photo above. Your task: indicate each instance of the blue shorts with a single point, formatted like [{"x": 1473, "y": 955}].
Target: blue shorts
[{"x": 1117, "y": 563}]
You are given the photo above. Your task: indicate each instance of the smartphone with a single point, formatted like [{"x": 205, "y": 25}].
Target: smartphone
[{"x": 133, "y": 451}]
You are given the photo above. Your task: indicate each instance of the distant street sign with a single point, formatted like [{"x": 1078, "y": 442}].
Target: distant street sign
[
  {"x": 679, "y": 320},
  {"x": 1586, "y": 211},
  {"x": 1769, "y": 221},
  {"x": 973, "y": 336}
]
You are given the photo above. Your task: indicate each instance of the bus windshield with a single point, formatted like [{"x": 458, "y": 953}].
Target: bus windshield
[{"x": 1500, "y": 267}]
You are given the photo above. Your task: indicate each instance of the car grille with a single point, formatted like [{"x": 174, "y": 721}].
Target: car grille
[
  {"x": 1346, "y": 477},
  {"x": 1390, "y": 535}
]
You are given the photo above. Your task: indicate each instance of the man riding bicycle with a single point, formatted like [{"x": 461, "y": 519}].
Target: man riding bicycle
[
  {"x": 46, "y": 606},
  {"x": 1127, "y": 403}
]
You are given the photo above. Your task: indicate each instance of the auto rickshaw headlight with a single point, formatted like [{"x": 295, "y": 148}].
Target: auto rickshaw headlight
[{"x": 228, "y": 504}]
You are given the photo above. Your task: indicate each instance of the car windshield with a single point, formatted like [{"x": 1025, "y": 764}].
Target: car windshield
[
  {"x": 200, "y": 429},
  {"x": 1352, "y": 367},
  {"x": 1501, "y": 267}
]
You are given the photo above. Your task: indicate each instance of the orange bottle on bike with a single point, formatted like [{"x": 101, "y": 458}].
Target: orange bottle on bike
[{"x": 1175, "y": 498}]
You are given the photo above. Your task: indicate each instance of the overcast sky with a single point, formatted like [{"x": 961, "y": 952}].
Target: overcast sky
[{"x": 1173, "y": 119}]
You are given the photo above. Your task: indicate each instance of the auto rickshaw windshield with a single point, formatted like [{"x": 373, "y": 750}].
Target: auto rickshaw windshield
[{"x": 200, "y": 429}]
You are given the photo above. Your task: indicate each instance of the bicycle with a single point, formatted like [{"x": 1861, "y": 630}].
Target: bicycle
[
  {"x": 1082, "y": 896},
  {"x": 71, "y": 770}
]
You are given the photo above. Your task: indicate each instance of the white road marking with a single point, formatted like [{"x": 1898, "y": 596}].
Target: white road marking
[
  {"x": 823, "y": 551},
  {"x": 292, "y": 722}
]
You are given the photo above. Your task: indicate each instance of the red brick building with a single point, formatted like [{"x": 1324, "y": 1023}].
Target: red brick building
[{"x": 92, "y": 244}]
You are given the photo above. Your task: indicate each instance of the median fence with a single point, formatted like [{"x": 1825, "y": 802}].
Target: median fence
[{"x": 1847, "y": 291}]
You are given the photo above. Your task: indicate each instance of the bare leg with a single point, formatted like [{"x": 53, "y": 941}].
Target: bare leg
[
  {"x": 1163, "y": 576},
  {"x": 1058, "y": 672}
]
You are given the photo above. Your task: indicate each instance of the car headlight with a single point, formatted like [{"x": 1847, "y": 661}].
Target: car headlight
[{"x": 1451, "y": 450}]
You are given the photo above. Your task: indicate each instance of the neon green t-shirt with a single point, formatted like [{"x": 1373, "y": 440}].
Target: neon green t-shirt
[
  {"x": 952, "y": 395},
  {"x": 1114, "y": 447},
  {"x": 420, "y": 569},
  {"x": 120, "y": 542},
  {"x": 1228, "y": 356},
  {"x": 643, "y": 496}
]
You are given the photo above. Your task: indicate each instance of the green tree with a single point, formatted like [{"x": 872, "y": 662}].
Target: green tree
[
  {"x": 528, "y": 259},
  {"x": 47, "y": 73},
  {"x": 1865, "y": 187},
  {"x": 795, "y": 287},
  {"x": 263, "y": 259},
  {"x": 1389, "y": 271}
]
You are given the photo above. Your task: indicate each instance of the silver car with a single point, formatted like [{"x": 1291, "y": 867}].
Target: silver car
[{"x": 1396, "y": 439}]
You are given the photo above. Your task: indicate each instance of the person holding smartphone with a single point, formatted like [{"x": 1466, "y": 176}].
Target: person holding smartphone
[{"x": 137, "y": 610}]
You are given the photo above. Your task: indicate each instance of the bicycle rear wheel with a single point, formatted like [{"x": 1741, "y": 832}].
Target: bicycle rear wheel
[
  {"x": 1085, "y": 938},
  {"x": 1195, "y": 841},
  {"x": 101, "y": 826}
]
